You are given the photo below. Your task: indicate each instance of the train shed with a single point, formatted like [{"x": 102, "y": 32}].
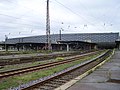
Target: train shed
[{"x": 67, "y": 42}]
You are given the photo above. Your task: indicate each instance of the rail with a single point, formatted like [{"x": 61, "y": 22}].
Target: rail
[
  {"x": 42, "y": 66},
  {"x": 31, "y": 84}
]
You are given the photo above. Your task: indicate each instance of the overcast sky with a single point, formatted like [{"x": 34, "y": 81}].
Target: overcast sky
[{"x": 20, "y": 18}]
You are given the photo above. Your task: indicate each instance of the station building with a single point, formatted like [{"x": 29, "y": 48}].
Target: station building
[{"x": 78, "y": 41}]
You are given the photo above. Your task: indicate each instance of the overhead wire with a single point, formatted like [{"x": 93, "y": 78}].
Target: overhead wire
[
  {"x": 77, "y": 14},
  {"x": 69, "y": 10},
  {"x": 88, "y": 11},
  {"x": 102, "y": 26},
  {"x": 26, "y": 8},
  {"x": 16, "y": 18},
  {"x": 110, "y": 11},
  {"x": 73, "y": 12},
  {"x": 20, "y": 16},
  {"x": 25, "y": 19}
]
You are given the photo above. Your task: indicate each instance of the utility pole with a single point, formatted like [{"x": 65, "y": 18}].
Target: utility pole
[
  {"x": 60, "y": 34},
  {"x": 6, "y": 38},
  {"x": 48, "y": 44}
]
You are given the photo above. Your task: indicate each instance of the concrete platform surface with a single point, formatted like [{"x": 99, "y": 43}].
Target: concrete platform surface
[{"x": 107, "y": 77}]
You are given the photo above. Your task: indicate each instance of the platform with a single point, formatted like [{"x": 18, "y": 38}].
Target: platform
[{"x": 107, "y": 77}]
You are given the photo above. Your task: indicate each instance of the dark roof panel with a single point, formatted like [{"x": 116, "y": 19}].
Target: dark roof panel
[{"x": 91, "y": 37}]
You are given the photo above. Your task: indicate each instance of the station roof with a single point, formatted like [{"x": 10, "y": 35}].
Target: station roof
[{"x": 89, "y": 37}]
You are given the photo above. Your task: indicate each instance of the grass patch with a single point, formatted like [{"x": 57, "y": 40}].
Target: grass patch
[
  {"x": 24, "y": 52},
  {"x": 24, "y": 65},
  {"x": 59, "y": 58}
]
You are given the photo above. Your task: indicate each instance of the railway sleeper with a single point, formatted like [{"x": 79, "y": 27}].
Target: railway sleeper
[
  {"x": 51, "y": 85},
  {"x": 57, "y": 83},
  {"x": 45, "y": 88},
  {"x": 59, "y": 80},
  {"x": 67, "y": 78}
]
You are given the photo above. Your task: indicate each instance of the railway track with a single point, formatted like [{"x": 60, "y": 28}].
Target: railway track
[
  {"x": 53, "y": 81},
  {"x": 43, "y": 66},
  {"x": 11, "y": 60}
]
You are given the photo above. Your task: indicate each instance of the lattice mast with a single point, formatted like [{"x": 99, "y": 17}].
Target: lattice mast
[{"x": 48, "y": 40}]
